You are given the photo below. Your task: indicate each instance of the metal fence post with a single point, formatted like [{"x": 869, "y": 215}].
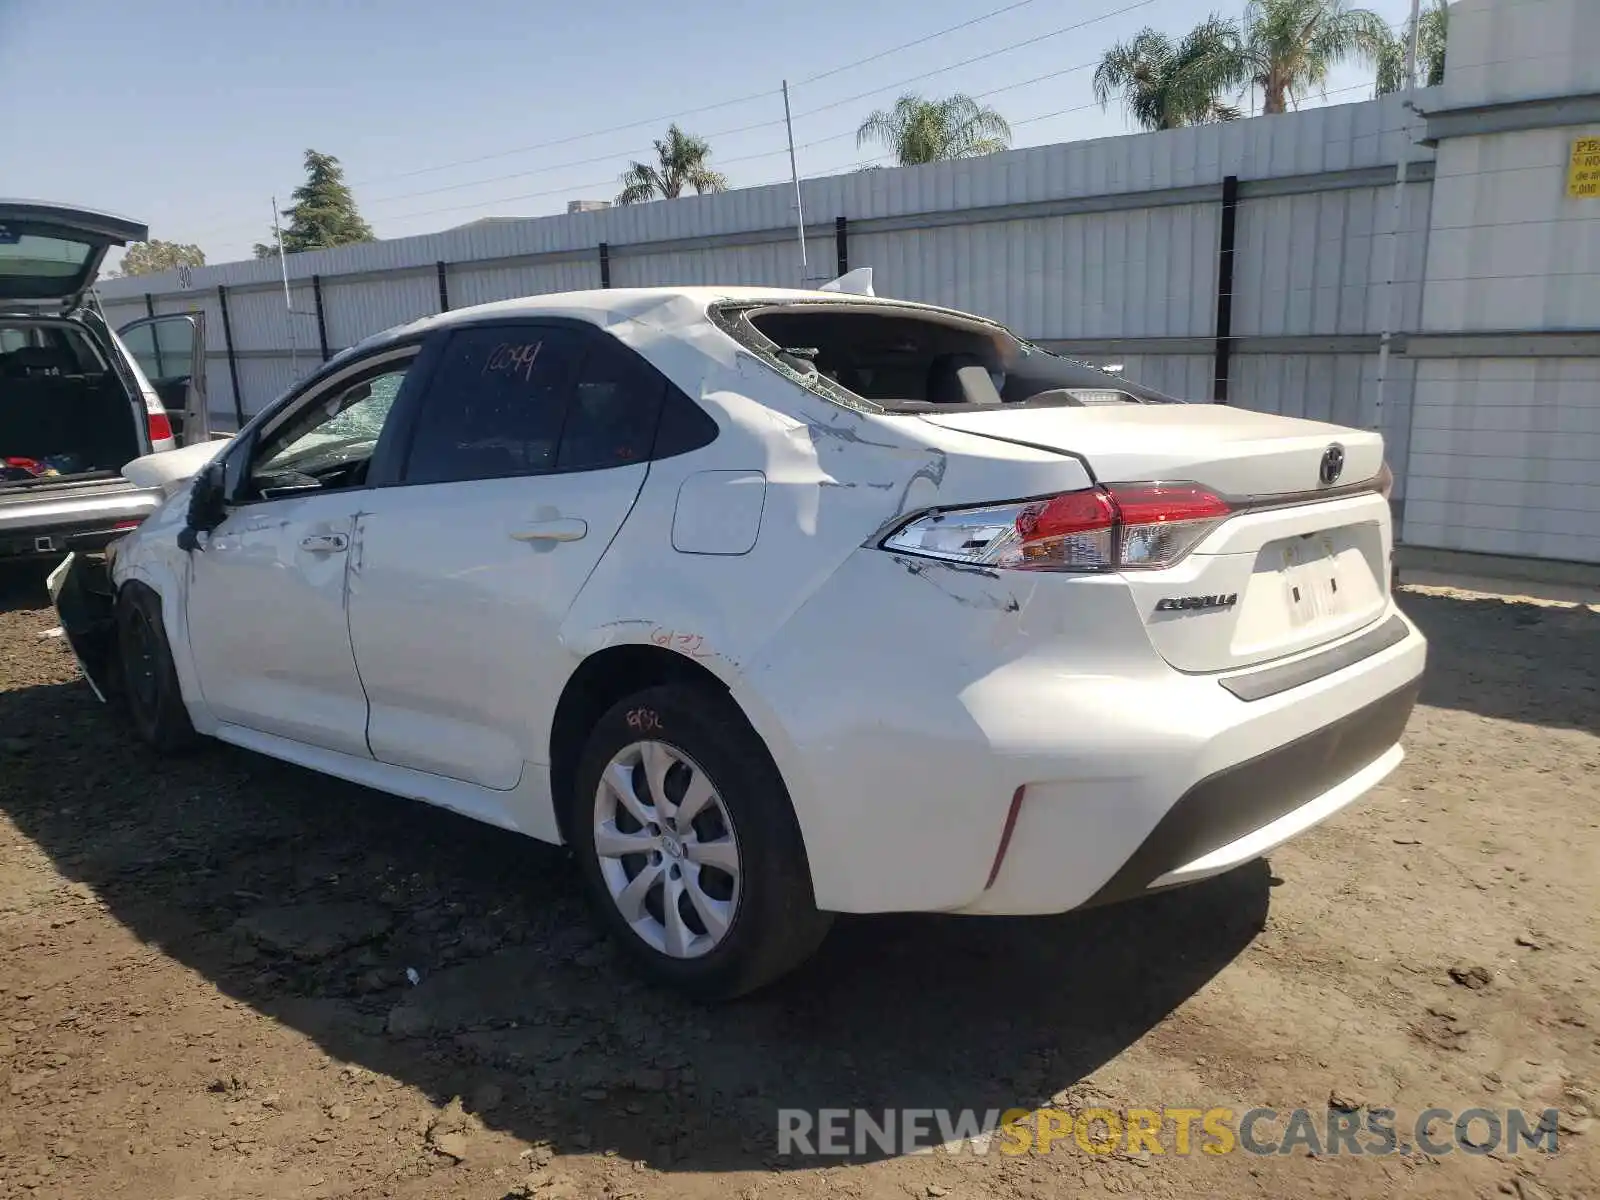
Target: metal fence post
[
  {"x": 155, "y": 338},
  {"x": 233, "y": 365},
  {"x": 1230, "y": 210},
  {"x": 444, "y": 287},
  {"x": 322, "y": 324},
  {"x": 605, "y": 265},
  {"x": 841, "y": 244}
]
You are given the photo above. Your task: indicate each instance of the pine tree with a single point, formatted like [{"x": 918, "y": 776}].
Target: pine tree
[{"x": 323, "y": 213}]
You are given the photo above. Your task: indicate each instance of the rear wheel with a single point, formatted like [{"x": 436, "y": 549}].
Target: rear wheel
[
  {"x": 689, "y": 847},
  {"x": 149, "y": 679}
]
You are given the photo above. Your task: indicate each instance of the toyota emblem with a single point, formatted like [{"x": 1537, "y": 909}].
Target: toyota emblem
[{"x": 1332, "y": 465}]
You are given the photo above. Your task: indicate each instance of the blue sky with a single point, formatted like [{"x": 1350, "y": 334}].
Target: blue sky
[{"x": 191, "y": 114}]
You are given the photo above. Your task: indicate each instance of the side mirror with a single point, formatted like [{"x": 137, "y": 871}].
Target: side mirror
[{"x": 207, "y": 508}]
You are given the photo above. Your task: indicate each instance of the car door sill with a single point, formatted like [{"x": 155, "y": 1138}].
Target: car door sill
[{"x": 525, "y": 809}]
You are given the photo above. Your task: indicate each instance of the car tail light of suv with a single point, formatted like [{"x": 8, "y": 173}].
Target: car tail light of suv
[
  {"x": 1124, "y": 526},
  {"x": 157, "y": 422},
  {"x": 160, "y": 426}
]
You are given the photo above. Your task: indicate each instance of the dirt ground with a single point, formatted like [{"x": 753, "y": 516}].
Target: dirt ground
[{"x": 204, "y": 988}]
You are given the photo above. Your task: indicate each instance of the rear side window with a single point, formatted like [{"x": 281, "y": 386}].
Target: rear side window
[
  {"x": 616, "y": 404},
  {"x": 495, "y": 404}
]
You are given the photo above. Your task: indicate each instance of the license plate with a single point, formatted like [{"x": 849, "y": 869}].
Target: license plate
[{"x": 1311, "y": 579}]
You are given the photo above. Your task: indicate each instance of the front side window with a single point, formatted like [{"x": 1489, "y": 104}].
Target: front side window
[{"x": 328, "y": 444}]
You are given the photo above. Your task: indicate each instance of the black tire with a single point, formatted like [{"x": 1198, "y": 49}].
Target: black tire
[
  {"x": 148, "y": 680},
  {"x": 775, "y": 924}
]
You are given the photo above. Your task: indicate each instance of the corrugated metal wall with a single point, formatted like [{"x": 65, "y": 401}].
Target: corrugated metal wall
[
  {"x": 1505, "y": 451},
  {"x": 1112, "y": 244},
  {"x": 1127, "y": 267},
  {"x": 1142, "y": 272}
]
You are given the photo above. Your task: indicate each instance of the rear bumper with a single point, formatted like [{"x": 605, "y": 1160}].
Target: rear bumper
[
  {"x": 79, "y": 519},
  {"x": 907, "y": 719},
  {"x": 1242, "y": 811},
  {"x": 1195, "y": 782}
]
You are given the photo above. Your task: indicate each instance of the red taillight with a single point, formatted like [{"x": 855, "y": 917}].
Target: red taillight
[
  {"x": 160, "y": 427},
  {"x": 1071, "y": 512},
  {"x": 1154, "y": 503},
  {"x": 1074, "y": 524},
  {"x": 1124, "y": 525},
  {"x": 127, "y": 525}
]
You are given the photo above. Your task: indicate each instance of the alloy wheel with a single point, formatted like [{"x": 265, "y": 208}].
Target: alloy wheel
[{"x": 666, "y": 849}]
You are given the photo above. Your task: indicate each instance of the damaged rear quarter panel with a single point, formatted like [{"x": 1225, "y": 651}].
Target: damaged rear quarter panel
[{"x": 836, "y": 479}]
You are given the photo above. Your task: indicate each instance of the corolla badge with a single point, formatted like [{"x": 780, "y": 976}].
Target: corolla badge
[{"x": 1191, "y": 603}]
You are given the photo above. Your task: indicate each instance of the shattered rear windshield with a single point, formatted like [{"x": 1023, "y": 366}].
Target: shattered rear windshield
[{"x": 900, "y": 359}]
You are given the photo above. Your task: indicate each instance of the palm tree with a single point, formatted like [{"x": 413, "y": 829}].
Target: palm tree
[
  {"x": 923, "y": 131},
  {"x": 681, "y": 159},
  {"x": 1165, "y": 86},
  {"x": 1289, "y": 46},
  {"x": 1433, "y": 28}
]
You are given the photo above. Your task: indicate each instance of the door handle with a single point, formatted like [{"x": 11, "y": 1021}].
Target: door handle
[
  {"x": 563, "y": 529},
  {"x": 325, "y": 543}
]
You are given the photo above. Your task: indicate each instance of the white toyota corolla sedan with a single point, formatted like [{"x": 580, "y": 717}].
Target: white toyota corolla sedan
[{"x": 773, "y": 605}]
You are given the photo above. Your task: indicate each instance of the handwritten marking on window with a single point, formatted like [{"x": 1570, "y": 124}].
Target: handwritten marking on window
[
  {"x": 513, "y": 358},
  {"x": 692, "y": 644}
]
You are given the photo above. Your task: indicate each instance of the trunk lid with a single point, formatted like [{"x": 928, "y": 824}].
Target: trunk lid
[
  {"x": 1303, "y": 560},
  {"x": 51, "y": 253},
  {"x": 1235, "y": 452}
]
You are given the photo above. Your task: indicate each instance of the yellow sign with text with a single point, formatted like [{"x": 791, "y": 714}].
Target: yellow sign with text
[{"x": 1583, "y": 171}]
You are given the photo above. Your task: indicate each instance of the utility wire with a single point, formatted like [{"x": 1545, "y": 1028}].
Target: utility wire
[
  {"x": 576, "y": 137},
  {"x": 771, "y": 124},
  {"x": 546, "y": 169},
  {"x": 976, "y": 58},
  {"x": 578, "y": 162},
  {"x": 691, "y": 112},
  {"x": 915, "y": 42},
  {"x": 741, "y": 100}
]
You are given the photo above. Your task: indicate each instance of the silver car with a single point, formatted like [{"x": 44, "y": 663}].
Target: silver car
[{"x": 78, "y": 401}]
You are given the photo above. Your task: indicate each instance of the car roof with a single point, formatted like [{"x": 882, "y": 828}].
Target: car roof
[{"x": 668, "y": 307}]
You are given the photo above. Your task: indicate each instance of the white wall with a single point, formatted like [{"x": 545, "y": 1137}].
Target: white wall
[
  {"x": 1505, "y": 452},
  {"x": 1511, "y": 49}
]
